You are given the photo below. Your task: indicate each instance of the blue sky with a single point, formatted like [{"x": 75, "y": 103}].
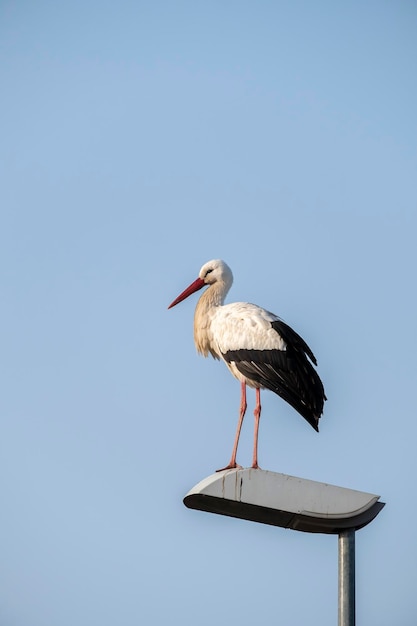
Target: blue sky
[{"x": 140, "y": 140}]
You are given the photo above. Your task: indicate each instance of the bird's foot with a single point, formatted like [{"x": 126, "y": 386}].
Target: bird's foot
[
  {"x": 255, "y": 466},
  {"x": 230, "y": 466}
]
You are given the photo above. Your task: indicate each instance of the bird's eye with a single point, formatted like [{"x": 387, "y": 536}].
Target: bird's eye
[{"x": 208, "y": 271}]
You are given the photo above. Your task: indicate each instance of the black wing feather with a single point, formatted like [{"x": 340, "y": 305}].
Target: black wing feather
[{"x": 287, "y": 373}]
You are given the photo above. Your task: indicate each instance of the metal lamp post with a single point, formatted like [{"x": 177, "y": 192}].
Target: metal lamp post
[{"x": 296, "y": 503}]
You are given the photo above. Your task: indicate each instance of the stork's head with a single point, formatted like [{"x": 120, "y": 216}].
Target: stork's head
[{"x": 216, "y": 271}]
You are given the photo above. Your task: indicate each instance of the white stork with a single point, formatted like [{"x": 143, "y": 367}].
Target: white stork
[{"x": 259, "y": 349}]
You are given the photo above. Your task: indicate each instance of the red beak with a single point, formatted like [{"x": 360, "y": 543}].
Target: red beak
[{"x": 195, "y": 286}]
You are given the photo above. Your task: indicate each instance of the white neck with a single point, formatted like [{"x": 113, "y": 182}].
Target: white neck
[{"x": 212, "y": 298}]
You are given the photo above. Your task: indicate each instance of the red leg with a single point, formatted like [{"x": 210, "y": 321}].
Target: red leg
[
  {"x": 242, "y": 411},
  {"x": 257, "y": 414}
]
